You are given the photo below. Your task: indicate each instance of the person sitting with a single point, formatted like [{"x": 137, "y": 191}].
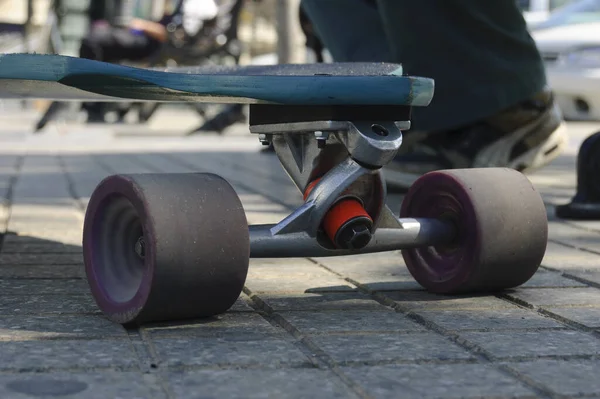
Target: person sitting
[{"x": 139, "y": 39}]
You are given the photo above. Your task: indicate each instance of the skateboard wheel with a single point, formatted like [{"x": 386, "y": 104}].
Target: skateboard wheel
[
  {"x": 161, "y": 247},
  {"x": 501, "y": 230}
]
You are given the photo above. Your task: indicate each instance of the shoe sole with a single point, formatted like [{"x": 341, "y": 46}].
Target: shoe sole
[{"x": 498, "y": 154}]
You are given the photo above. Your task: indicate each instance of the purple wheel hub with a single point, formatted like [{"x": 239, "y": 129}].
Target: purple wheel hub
[
  {"x": 119, "y": 278},
  {"x": 440, "y": 196}
]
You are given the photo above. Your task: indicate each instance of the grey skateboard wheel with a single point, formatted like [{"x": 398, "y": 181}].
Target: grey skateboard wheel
[
  {"x": 161, "y": 247},
  {"x": 501, "y": 230}
]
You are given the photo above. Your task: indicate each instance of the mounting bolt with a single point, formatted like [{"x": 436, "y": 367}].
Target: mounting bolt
[
  {"x": 355, "y": 234},
  {"x": 322, "y": 138},
  {"x": 140, "y": 247},
  {"x": 264, "y": 139}
]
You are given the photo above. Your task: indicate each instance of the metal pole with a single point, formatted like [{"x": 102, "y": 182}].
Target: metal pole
[
  {"x": 290, "y": 39},
  {"x": 28, "y": 26}
]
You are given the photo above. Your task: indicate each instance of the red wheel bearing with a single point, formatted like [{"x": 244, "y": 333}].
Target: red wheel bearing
[{"x": 347, "y": 223}]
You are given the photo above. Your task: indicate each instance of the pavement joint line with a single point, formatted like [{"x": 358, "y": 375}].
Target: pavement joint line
[
  {"x": 535, "y": 386},
  {"x": 581, "y": 280},
  {"x": 8, "y": 198},
  {"x": 152, "y": 356},
  {"x": 539, "y": 388},
  {"x": 413, "y": 332},
  {"x": 50, "y": 369},
  {"x": 102, "y": 164},
  {"x": 593, "y": 331},
  {"x": 146, "y": 164},
  {"x": 234, "y": 182},
  {"x": 258, "y": 171},
  {"x": 572, "y": 246},
  {"x": 473, "y": 349},
  {"x": 569, "y": 223},
  {"x": 71, "y": 186},
  {"x": 542, "y": 311},
  {"x": 318, "y": 356},
  {"x": 50, "y": 314},
  {"x": 25, "y": 265},
  {"x": 40, "y": 278},
  {"x": 90, "y": 337}
]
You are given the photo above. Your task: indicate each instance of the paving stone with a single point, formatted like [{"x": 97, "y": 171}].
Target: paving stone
[
  {"x": 305, "y": 277},
  {"x": 205, "y": 351},
  {"x": 559, "y": 297},
  {"x": 425, "y": 300},
  {"x": 96, "y": 385},
  {"x": 384, "y": 271},
  {"x": 436, "y": 381},
  {"x": 52, "y": 233},
  {"x": 274, "y": 265},
  {"x": 18, "y": 238},
  {"x": 288, "y": 383},
  {"x": 322, "y": 301},
  {"x": 565, "y": 377},
  {"x": 510, "y": 344},
  {"x": 241, "y": 305},
  {"x": 242, "y": 326},
  {"x": 42, "y": 272},
  {"x": 21, "y": 328},
  {"x": 41, "y": 259},
  {"x": 546, "y": 279},
  {"x": 592, "y": 277},
  {"x": 43, "y": 211},
  {"x": 560, "y": 257},
  {"x": 589, "y": 317},
  {"x": 47, "y": 304},
  {"x": 350, "y": 321},
  {"x": 9, "y": 287},
  {"x": 388, "y": 347},
  {"x": 71, "y": 354},
  {"x": 13, "y": 247},
  {"x": 580, "y": 238},
  {"x": 489, "y": 319}
]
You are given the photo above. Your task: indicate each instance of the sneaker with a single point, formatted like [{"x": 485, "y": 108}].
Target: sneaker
[{"x": 524, "y": 137}]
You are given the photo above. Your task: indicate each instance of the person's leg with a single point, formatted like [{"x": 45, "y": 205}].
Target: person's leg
[
  {"x": 350, "y": 29},
  {"x": 478, "y": 52},
  {"x": 491, "y": 106}
]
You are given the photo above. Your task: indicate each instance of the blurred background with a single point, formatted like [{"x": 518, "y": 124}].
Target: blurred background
[{"x": 567, "y": 33}]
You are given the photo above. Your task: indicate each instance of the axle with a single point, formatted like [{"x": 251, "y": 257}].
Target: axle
[{"x": 411, "y": 233}]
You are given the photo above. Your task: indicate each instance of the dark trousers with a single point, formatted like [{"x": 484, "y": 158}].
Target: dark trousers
[{"x": 479, "y": 52}]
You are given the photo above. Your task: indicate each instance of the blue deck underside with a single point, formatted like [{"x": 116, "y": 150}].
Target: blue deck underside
[{"x": 68, "y": 78}]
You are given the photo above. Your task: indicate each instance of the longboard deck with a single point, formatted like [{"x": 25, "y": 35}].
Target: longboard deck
[{"x": 69, "y": 78}]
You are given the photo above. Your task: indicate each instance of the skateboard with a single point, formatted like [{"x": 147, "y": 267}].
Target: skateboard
[{"x": 161, "y": 247}]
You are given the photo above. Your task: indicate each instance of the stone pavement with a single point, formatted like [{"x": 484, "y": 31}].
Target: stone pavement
[{"x": 353, "y": 327}]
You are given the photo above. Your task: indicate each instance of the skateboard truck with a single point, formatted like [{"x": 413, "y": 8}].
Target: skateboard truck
[{"x": 337, "y": 166}]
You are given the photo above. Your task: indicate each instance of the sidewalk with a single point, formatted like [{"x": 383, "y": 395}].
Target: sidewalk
[{"x": 352, "y": 327}]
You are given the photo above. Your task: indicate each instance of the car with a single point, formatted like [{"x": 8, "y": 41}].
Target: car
[
  {"x": 537, "y": 11},
  {"x": 569, "y": 42}
]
